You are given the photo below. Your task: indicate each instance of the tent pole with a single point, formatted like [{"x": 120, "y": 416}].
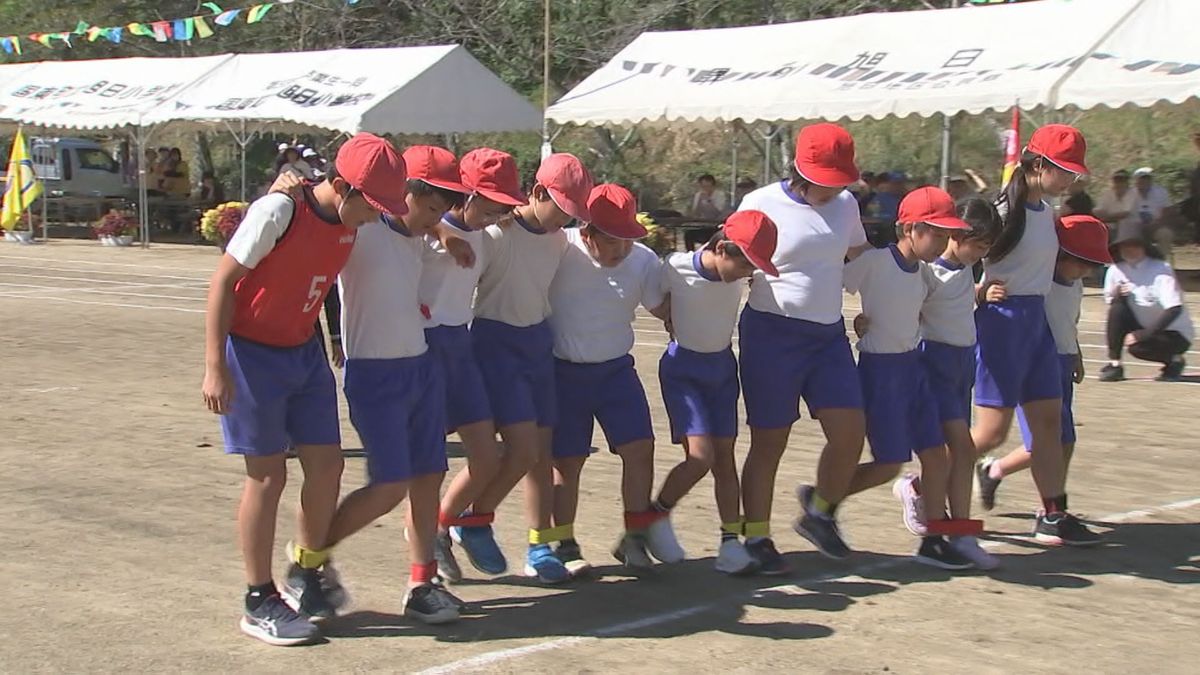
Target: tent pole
[
  {"x": 139, "y": 140},
  {"x": 546, "y": 146},
  {"x": 242, "y": 144},
  {"x": 733, "y": 170},
  {"x": 945, "y": 168},
  {"x": 45, "y": 198}
]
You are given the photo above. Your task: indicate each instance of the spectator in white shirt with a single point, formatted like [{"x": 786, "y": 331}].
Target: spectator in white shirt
[
  {"x": 1150, "y": 201},
  {"x": 1115, "y": 205}
]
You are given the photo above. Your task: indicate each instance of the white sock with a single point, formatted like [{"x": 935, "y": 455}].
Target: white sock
[{"x": 1115, "y": 364}]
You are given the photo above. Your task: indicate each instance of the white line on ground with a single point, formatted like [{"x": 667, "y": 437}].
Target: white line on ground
[
  {"x": 491, "y": 658},
  {"x": 21, "y": 258},
  {"x": 69, "y": 269},
  {"x": 117, "y": 290},
  {"x": 167, "y": 308}
]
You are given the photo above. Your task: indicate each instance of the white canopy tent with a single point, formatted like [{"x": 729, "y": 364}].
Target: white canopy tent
[
  {"x": 1052, "y": 53},
  {"x": 439, "y": 89}
]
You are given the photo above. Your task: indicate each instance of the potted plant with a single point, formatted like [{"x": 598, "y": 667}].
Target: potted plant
[
  {"x": 220, "y": 222},
  {"x": 656, "y": 238},
  {"x": 116, "y": 228}
]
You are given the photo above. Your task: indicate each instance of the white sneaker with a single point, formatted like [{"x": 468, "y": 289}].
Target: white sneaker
[
  {"x": 661, "y": 542},
  {"x": 631, "y": 552},
  {"x": 969, "y": 548},
  {"x": 914, "y": 506},
  {"x": 732, "y": 558}
]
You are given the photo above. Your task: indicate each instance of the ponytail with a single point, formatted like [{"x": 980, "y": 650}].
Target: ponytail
[{"x": 1011, "y": 205}]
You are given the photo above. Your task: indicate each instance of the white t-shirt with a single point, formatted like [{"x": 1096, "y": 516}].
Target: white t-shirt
[
  {"x": 1063, "y": 303},
  {"x": 1028, "y": 269},
  {"x": 712, "y": 206},
  {"x": 704, "y": 311},
  {"x": 948, "y": 314},
  {"x": 299, "y": 167},
  {"x": 265, "y": 221},
  {"x": 1146, "y": 210},
  {"x": 448, "y": 289},
  {"x": 1155, "y": 290},
  {"x": 810, "y": 253},
  {"x": 592, "y": 307},
  {"x": 514, "y": 286},
  {"x": 892, "y": 293},
  {"x": 1110, "y": 203},
  {"x": 381, "y": 315}
]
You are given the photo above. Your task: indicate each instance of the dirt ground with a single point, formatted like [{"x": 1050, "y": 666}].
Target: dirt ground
[{"x": 117, "y": 515}]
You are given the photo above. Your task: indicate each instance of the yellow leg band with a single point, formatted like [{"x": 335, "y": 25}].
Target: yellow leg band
[
  {"x": 737, "y": 527},
  {"x": 552, "y": 534},
  {"x": 310, "y": 560},
  {"x": 758, "y": 529}
]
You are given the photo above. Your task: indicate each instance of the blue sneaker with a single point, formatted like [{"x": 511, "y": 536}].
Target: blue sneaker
[
  {"x": 541, "y": 562},
  {"x": 481, "y": 547}
]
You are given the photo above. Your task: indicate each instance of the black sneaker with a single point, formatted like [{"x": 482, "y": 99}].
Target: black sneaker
[
  {"x": 937, "y": 552},
  {"x": 1111, "y": 373},
  {"x": 305, "y": 592},
  {"x": 1063, "y": 529},
  {"x": 987, "y": 484},
  {"x": 440, "y": 583},
  {"x": 277, "y": 624},
  {"x": 1172, "y": 372},
  {"x": 770, "y": 562},
  {"x": 430, "y": 604},
  {"x": 443, "y": 553},
  {"x": 819, "y": 528},
  {"x": 569, "y": 554}
]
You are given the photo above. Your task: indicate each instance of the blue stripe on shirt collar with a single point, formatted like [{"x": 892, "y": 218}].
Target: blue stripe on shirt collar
[
  {"x": 455, "y": 222},
  {"x": 698, "y": 264},
  {"x": 786, "y": 185},
  {"x": 525, "y": 224},
  {"x": 942, "y": 262},
  {"x": 396, "y": 225},
  {"x": 901, "y": 262}
]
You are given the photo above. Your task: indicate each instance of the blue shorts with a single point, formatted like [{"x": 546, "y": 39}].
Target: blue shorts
[
  {"x": 466, "y": 397},
  {"x": 398, "y": 408},
  {"x": 784, "y": 360},
  {"x": 517, "y": 365},
  {"x": 951, "y": 374},
  {"x": 902, "y": 415},
  {"x": 700, "y": 391},
  {"x": 1067, "y": 369},
  {"x": 609, "y": 392},
  {"x": 282, "y": 397},
  {"x": 1017, "y": 358}
]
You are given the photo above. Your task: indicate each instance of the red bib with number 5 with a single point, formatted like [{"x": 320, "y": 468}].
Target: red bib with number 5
[{"x": 279, "y": 301}]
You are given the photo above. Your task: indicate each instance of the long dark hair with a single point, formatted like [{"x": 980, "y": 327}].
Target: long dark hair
[
  {"x": 1011, "y": 204},
  {"x": 982, "y": 216}
]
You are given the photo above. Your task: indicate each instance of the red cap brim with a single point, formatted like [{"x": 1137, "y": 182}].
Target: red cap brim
[
  {"x": 446, "y": 185},
  {"x": 1097, "y": 257},
  {"x": 948, "y": 223},
  {"x": 1073, "y": 167},
  {"x": 825, "y": 176},
  {"x": 758, "y": 261},
  {"x": 575, "y": 210},
  {"x": 394, "y": 209},
  {"x": 502, "y": 197},
  {"x": 628, "y": 230}
]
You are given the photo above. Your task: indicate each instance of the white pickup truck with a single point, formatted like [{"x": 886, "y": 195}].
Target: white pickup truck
[{"x": 82, "y": 179}]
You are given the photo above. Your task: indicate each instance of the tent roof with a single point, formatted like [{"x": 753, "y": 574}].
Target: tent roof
[
  {"x": 438, "y": 89},
  {"x": 96, "y": 94},
  {"x": 1051, "y": 53}
]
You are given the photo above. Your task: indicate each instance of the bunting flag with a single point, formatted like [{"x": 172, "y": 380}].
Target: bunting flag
[{"x": 182, "y": 29}]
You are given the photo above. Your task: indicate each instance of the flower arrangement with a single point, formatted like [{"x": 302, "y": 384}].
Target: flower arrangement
[
  {"x": 116, "y": 224},
  {"x": 656, "y": 238},
  {"x": 219, "y": 223}
]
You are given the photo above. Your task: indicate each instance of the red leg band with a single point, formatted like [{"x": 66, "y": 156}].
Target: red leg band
[
  {"x": 640, "y": 520},
  {"x": 466, "y": 520},
  {"x": 423, "y": 574}
]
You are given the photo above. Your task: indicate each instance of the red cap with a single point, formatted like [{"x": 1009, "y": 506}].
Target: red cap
[
  {"x": 933, "y": 206},
  {"x": 568, "y": 183},
  {"x": 614, "y": 212},
  {"x": 1084, "y": 237},
  {"x": 1061, "y": 144},
  {"x": 434, "y": 165},
  {"x": 756, "y": 235},
  {"x": 375, "y": 168},
  {"x": 493, "y": 175},
  {"x": 825, "y": 155}
]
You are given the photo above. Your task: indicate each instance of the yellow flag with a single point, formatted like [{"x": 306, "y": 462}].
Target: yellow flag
[{"x": 23, "y": 184}]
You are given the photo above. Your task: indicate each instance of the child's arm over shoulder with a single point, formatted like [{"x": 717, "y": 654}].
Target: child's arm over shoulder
[
  {"x": 266, "y": 221},
  {"x": 856, "y": 273}
]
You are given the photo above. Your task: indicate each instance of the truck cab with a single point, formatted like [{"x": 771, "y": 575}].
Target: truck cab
[{"x": 76, "y": 167}]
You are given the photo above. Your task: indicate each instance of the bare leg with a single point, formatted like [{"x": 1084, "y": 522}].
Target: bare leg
[
  {"x": 699, "y": 453},
  {"x": 637, "y": 474},
  {"x": 868, "y": 476},
  {"x": 322, "y": 466},
  {"x": 257, "y": 512},
  {"x": 935, "y": 474},
  {"x": 363, "y": 507},
  {"x": 845, "y": 430},
  {"x": 521, "y": 453},
  {"x": 567, "y": 471},
  {"x": 962, "y": 466},
  {"x": 423, "y": 517},
  {"x": 483, "y": 465},
  {"x": 758, "y": 473}
]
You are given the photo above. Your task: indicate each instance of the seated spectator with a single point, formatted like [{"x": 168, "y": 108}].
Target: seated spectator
[
  {"x": 1115, "y": 206},
  {"x": 1145, "y": 311},
  {"x": 176, "y": 181},
  {"x": 888, "y": 195},
  {"x": 744, "y": 187},
  {"x": 315, "y": 161},
  {"x": 708, "y": 203},
  {"x": 959, "y": 186},
  {"x": 212, "y": 192},
  {"x": 1150, "y": 201},
  {"x": 153, "y": 176},
  {"x": 290, "y": 161}
]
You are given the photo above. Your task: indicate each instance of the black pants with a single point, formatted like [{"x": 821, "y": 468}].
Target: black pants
[
  {"x": 1160, "y": 348},
  {"x": 694, "y": 237}
]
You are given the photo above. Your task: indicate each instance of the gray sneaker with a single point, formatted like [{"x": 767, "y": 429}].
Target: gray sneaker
[
  {"x": 631, "y": 551},
  {"x": 443, "y": 553},
  {"x": 304, "y": 591},
  {"x": 819, "y": 528},
  {"x": 430, "y": 604},
  {"x": 277, "y": 624}
]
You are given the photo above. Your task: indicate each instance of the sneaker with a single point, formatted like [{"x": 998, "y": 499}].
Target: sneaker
[
  {"x": 768, "y": 559},
  {"x": 331, "y": 580},
  {"x": 969, "y": 548},
  {"x": 303, "y": 591},
  {"x": 905, "y": 489},
  {"x": 734, "y": 559},
  {"x": 430, "y": 604},
  {"x": 277, "y": 624},
  {"x": 443, "y": 553},
  {"x": 438, "y": 582},
  {"x": 661, "y": 541},
  {"x": 481, "y": 547},
  {"x": 987, "y": 484},
  {"x": 1172, "y": 372},
  {"x": 1111, "y": 373},
  {"x": 819, "y": 528},
  {"x": 1063, "y": 529},
  {"x": 572, "y": 558},
  {"x": 631, "y": 552},
  {"x": 937, "y": 552},
  {"x": 541, "y": 563}
]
